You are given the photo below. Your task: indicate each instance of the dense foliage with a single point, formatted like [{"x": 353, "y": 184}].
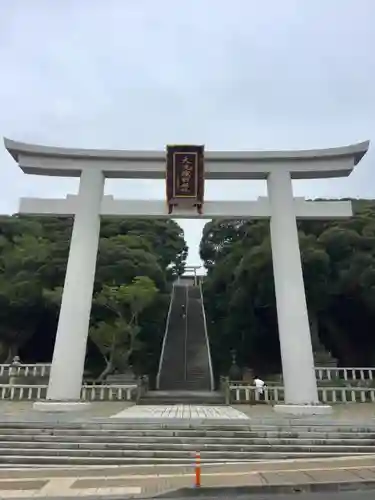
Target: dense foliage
[
  {"x": 137, "y": 261},
  {"x": 339, "y": 270}
]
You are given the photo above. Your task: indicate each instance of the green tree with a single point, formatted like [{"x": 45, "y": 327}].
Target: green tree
[
  {"x": 117, "y": 339},
  {"x": 338, "y": 259},
  {"x": 33, "y": 257},
  {"x": 22, "y": 264}
]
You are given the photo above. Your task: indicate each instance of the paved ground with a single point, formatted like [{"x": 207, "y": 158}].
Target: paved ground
[
  {"x": 184, "y": 412},
  {"x": 23, "y": 410},
  {"x": 167, "y": 480},
  {"x": 341, "y": 412},
  {"x": 351, "y": 495}
]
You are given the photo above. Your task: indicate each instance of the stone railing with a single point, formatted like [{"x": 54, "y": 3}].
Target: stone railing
[
  {"x": 241, "y": 393},
  {"x": 329, "y": 373},
  {"x": 236, "y": 393},
  {"x": 36, "y": 370},
  {"x": 88, "y": 392},
  {"x": 322, "y": 373}
]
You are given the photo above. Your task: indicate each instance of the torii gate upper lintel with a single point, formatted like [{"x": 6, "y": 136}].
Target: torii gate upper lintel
[{"x": 277, "y": 167}]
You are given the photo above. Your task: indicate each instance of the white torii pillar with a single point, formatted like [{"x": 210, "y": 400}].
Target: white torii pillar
[
  {"x": 294, "y": 328},
  {"x": 71, "y": 338},
  {"x": 301, "y": 395}
]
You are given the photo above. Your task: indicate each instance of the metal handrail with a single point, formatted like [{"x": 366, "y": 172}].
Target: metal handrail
[
  {"x": 212, "y": 381},
  {"x": 165, "y": 339},
  {"x": 186, "y": 332}
]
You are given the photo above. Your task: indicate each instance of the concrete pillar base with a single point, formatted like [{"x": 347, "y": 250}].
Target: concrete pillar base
[
  {"x": 60, "y": 406},
  {"x": 303, "y": 410}
]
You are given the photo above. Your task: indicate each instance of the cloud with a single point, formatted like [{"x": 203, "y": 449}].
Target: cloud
[{"x": 141, "y": 74}]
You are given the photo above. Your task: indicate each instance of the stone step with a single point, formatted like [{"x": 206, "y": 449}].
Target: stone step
[
  {"x": 249, "y": 438},
  {"x": 60, "y": 433},
  {"x": 158, "y": 400},
  {"x": 74, "y": 434},
  {"x": 261, "y": 445},
  {"x": 192, "y": 383},
  {"x": 177, "y": 440},
  {"x": 117, "y": 425},
  {"x": 175, "y": 425},
  {"x": 127, "y": 426},
  {"x": 37, "y": 461},
  {"x": 184, "y": 453},
  {"x": 180, "y": 424},
  {"x": 116, "y": 442}
]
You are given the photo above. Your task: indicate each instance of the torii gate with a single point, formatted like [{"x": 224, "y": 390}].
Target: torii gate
[
  {"x": 191, "y": 272},
  {"x": 278, "y": 168}
]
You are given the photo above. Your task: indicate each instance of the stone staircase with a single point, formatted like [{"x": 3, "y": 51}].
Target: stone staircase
[
  {"x": 121, "y": 379},
  {"x": 107, "y": 442},
  {"x": 173, "y": 363},
  {"x": 198, "y": 376},
  {"x": 175, "y": 397},
  {"x": 185, "y": 374}
]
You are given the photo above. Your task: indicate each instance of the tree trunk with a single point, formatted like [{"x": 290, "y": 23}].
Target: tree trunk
[
  {"x": 107, "y": 371},
  {"x": 110, "y": 365}
]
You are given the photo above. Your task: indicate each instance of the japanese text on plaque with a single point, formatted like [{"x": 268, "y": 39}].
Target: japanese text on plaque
[{"x": 185, "y": 178}]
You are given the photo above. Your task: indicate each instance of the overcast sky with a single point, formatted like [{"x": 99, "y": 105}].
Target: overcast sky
[{"x": 140, "y": 74}]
